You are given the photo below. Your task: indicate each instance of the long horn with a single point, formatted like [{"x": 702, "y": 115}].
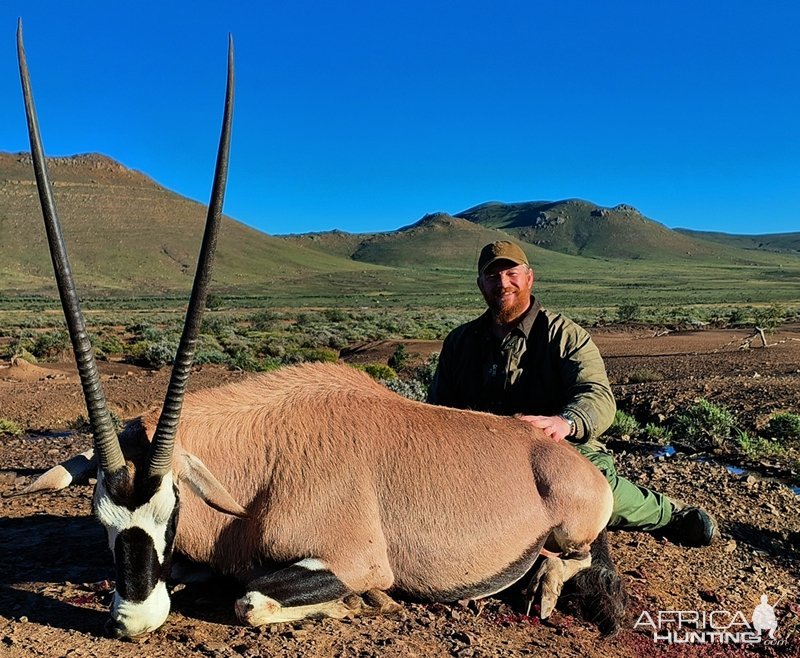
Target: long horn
[
  {"x": 160, "y": 459},
  {"x": 105, "y": 437}
]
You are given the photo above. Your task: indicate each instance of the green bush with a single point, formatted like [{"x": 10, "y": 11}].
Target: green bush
[
  {"x": 218, "y": 324},
  {"x": 657, "y": 433},
  {"x": 108, "y": 344},
  {"x": 334, "y": 315},
  {"x": 756, "y": 447},
  {"x": 320, "y": 354},
  {"x": 770, "y": 318},
  {"x": 399, "y": 358},
  {"x": 153, "y": 354},
  {"x": 50, "y": 344},
  {"x": 425, "y": 372},
  {"x": 704, "y": 424},
  {"x": 629, "y": 312},
  {"x": 379, "y": 371},
  {"x": 9, "y": 427},
  {"x": 25, "y": 355},
  {"x": 624, "y": 425},
  {"x": 785, "y": 426},
  {"x": 265, "y": 320}
]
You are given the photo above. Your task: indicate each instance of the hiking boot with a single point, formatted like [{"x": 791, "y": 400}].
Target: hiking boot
[{"x": 690, "y": 526}]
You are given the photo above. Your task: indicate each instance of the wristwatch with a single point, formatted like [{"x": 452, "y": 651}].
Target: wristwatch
[{"x": 573, "y": 426}]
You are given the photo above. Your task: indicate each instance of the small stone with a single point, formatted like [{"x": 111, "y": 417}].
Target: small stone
[{"x": 730, "y": 546}]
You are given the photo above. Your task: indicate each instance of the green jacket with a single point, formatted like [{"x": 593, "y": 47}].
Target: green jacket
[{"x": 546, "y": 366}]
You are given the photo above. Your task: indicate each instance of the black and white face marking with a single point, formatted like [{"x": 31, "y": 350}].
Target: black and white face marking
[{"x": 141, "y": 533}]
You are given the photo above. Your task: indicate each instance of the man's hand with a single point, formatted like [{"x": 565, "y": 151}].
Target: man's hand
[{"x": 554, "y": 426}]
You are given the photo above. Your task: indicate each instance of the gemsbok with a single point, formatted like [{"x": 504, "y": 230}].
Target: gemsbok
[{"x": 317, "y": 488}]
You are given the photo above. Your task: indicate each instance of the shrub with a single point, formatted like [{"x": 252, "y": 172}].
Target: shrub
[
  {"x": 334, "y": 315},
  {"x": 265, "y": 320},
  {"x": 425, "y": 372},
  {"x": 108, "y": 344},
  {"x": 9, "y": 427},
  {"x": 153, "y": 354},
  {"x": 25, "y": 355},
  {"x": 629, "y": 312},
  {"x": 756, "y": 447},
  {"x": 50, "y": 344},
  {"x": 320, "y": 354},
  {"x": 657, "y": 433},
  {"x": 399, "y": 358},
  {"x": 145, "y": 331},
  {"x": 785, "y": 426},
  {"x": 704, "y": 424},
  {"x": 769, "y": 318},
  {"x": 413, "y": 389},
  {"x": 243, "y": 360},
  {"x": 624, "y": 425},
  {"x": 379, "y": 371},
  {"x": 737, "y": 317},
  {"x": 217, "y": 325}
]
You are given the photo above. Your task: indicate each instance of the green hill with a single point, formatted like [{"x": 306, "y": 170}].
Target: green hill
[
  {"x": 128, "y": 234},
  {"x": 585, "y": 229}
]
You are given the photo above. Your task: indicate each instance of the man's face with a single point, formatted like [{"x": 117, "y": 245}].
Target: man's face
[{"x": 506, "y": 287}]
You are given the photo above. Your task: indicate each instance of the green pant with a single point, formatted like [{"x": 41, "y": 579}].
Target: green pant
[{"x": 635, "y": 507}]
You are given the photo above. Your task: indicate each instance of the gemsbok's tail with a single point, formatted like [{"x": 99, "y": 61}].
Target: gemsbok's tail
[{"x": 598, "y": 591}]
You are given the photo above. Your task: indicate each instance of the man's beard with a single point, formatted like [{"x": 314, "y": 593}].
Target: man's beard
[{"x": 505, "y": 313}]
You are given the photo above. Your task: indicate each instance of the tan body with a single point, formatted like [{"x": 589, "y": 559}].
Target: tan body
[{"x": 388, "y": 492}]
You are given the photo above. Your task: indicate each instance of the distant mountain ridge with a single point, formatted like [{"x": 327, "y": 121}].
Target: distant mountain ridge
[
  {"x": 126, "y": 234},
  {"x": 777, "y": 242}
]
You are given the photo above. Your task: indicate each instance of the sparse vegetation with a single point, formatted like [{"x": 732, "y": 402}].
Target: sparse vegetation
[
  {"x": 379, "y": 371},
  {"x": 399, "y": 358},
  {"x": 624, "y": 425},
  {"x": 657, "y": 433},
  {"x": 9, "y": 427},
  {"x": 704, "y": 425},
  {"x": 629, "y": 312},
  {"x": 756, "y": 448},
  {"x": 785, "y": 427}
]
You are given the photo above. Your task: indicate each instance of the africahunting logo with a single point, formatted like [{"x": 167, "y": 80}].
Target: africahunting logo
[{"x": 714, "y": 627}]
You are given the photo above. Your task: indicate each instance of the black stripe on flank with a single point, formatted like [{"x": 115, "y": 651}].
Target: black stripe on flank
[
  {"x": 508, "y": 576},
  {"x": 138, "y": 566},
  {"x": 296, "y": 585}
]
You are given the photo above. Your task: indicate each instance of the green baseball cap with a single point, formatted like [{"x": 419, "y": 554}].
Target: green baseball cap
[{"x": 500, "y": 250}]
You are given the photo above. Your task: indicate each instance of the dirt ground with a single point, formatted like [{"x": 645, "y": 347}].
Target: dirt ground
[{"x": 56, "y": 571}]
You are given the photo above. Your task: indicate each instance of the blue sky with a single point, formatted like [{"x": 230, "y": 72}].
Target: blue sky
[{"x": 364, "y": 116}]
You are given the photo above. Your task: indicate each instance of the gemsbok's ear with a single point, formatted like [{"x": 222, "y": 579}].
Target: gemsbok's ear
[
  {"x": 203, "y": 483},
  {"x": 76, "y": 470}
]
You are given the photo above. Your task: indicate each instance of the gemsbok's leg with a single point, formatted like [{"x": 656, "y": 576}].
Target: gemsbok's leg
[
  {"x": 307, "y": 588},
  {"x": 550, "y": 577}
]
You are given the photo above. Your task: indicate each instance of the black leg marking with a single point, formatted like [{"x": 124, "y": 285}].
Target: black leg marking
[{"x": 298, "y": 585}]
